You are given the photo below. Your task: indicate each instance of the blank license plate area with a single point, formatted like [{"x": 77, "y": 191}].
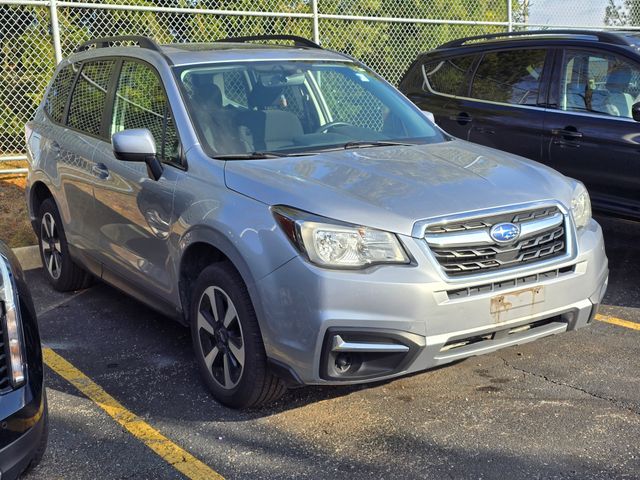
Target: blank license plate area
[{"x": 516, "y": 302}]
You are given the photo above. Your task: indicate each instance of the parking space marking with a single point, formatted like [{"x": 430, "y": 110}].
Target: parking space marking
[
  {"x": 618, "y": 321},
  {"x": 171, "y": 453}
]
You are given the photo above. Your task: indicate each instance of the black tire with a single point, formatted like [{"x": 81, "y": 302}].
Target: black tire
[
  {"x": 44, "y": 438},
  {"x": 255, "y": 385},
  {"x": 63, "y": 273}
]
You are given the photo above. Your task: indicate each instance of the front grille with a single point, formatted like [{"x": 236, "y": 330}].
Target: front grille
[
  {"x": 5, "y": 383},
  {"x": 465, "y": 247}
]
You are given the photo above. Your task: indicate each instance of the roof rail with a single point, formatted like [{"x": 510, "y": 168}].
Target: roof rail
[
  {"x": 105, "y": 42},
  {"x": 297, "y": 41},
  {"x": 604, "y": 37}
]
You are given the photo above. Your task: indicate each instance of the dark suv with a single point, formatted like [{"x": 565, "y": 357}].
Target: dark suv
[{"x": 566, "y": 98}]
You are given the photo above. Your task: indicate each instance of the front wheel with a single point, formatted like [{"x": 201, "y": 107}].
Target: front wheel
[{"x": 227, "y": 341}]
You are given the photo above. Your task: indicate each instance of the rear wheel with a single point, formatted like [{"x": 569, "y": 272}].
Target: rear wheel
[
  {"x": 60, "y": 269},
  {"x": 227, "y": 341}
]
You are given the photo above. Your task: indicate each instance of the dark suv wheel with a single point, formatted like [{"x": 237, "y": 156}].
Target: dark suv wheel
[
  {"x": 227, "y": 341},
  {"x": 61, "y": 271}
]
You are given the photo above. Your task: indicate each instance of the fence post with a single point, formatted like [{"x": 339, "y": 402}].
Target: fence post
[
  {"x": 316, "y": 26},
  {"x": 510, "y": 14},
  {"x": 55, "y": 30}
]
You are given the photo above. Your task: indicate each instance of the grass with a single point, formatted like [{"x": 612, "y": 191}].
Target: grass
[{"x": 15, "y": 227}]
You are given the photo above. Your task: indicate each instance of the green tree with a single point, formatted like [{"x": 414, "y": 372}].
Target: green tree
[{"x": 620, "y": 14}]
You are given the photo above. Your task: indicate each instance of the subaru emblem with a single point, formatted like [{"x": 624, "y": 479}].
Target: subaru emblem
[{"x": 505, "y": 232}]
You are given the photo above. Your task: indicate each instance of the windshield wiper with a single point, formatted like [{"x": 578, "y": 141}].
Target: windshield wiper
[
  {"x": 374, "y": 143},
  {"x": 257, "y": 155}
]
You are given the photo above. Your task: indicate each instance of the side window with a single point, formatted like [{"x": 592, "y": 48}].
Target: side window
[
  {"x": 448, "y": 76},
  {"x": 141, "y": 102},
  {"x": 511, "y": 76},
  {"x": 87, "y": 102},
  {"x": 58, "y": 94},
  {"x": 598, "y": 82},
  {"x": 235, "y": 88}
]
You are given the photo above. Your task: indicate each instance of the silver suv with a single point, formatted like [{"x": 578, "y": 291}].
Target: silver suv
[{"x": 303, "y": 218}]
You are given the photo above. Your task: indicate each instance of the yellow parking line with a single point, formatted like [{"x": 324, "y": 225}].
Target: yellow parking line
[
  {"x": 171, "y": 453},
  {"x": 618, "y": 321}
]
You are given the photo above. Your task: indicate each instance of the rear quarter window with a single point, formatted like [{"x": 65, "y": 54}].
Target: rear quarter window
[
  {"x": 58, "y": 93},
  {"x": 448, "y": 76}
]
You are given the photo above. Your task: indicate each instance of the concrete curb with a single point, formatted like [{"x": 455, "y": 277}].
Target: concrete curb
[{"x": 29, "y": 257}]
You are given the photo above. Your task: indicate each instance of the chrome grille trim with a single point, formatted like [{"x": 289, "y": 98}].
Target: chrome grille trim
[{"x": 548, "y": 240}]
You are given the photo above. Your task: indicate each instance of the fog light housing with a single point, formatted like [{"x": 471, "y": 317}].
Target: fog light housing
[
  {"x": 10, "y": 316},
  {"x": 352, "y": 354}
]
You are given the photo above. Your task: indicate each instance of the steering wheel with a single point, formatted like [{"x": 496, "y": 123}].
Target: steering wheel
[{"x": 328, "y": 126}]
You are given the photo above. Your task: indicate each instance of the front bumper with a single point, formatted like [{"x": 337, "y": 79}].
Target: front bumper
[
  {"x": 304, "y": 307},
  {"x": 23, "y": 426}
]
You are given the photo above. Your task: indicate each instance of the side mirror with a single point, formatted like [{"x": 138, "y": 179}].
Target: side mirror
[
  {"x": 137, "y": 145},
  {"x": 429, "y": 115},
  {"x": 635, "y": 111}
]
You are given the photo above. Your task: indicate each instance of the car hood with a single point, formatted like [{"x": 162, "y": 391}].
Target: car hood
[{"x": 391, "y": 188}]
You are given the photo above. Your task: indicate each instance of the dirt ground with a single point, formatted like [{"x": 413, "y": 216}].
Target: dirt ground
[{"x": 15, "y": 228}]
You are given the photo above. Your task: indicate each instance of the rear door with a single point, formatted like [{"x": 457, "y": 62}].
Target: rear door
[
  {"x": 436, "y": 86},
  {"x": 590, "y": 133},
  {"x": 75, "y": 144},
  {"x": 133, "y": 211},
  {"x": 505, "y": 104}
]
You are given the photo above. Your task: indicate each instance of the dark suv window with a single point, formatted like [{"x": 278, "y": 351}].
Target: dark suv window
[
  {"x": 141, "y": 102},
  {"x": 448, "y": 76},
  {"x": 59, "y": 93},
  {"x": 511, "y": 76},
  {"x": 87, "y": 102},
  {"x": 599, "y": 82}
]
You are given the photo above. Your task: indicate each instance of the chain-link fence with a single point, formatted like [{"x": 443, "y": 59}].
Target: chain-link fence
[{"x": 384, "y": 34}]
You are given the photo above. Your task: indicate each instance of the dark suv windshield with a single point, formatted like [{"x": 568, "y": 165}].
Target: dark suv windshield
[{"x": 287, "y": 107}]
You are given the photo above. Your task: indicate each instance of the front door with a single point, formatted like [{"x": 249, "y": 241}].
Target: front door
[
  {"x": 133, "y": 211},
  {"x": 591, "y": 135}
]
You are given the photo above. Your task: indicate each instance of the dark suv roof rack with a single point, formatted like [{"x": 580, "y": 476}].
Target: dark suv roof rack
[
  {"x": 604, "y": 37},
  {"x": 105, "y": 42},
  {"x": 297, "y": 41}
]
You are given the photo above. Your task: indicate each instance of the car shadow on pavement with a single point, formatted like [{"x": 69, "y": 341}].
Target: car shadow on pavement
[{"x": 622, "y": 243}]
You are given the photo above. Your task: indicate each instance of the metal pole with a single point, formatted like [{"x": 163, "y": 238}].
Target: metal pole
[
  {"x": 316, "y": 21},
  {"x": 510, "y": 14},
  {"x": 55, "y": 31}
]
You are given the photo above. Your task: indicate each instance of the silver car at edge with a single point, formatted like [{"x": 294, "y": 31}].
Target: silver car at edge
[{"x": 303, "y": 218}]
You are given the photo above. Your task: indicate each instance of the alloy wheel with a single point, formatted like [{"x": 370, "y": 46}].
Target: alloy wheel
[
  {"x": 50, "y": 244},
  {"x": 220, "y": 336}
]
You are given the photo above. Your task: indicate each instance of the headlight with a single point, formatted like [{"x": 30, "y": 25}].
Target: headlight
[
  {"x": 333, "y": 244},
  {"x": 10, "y": 312},
  {"x": 581, "y": 206}
]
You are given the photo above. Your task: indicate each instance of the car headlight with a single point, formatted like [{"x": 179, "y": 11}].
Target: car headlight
[
  {"x": 581, "y": 206},
  {"x": 333, "y": 244},
  {"x": 10, "y": 313}
]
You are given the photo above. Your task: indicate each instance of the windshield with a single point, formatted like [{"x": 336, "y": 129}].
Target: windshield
[{"x": 288, "y": 107}]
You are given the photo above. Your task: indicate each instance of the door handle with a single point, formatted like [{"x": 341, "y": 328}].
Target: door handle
[
  {"x": 566, "y": 134},
  {"x": 462, "y": 118},
  {"x": 100, "y": 170}
]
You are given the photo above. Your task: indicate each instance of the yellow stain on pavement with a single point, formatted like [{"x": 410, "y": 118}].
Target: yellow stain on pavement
[{"x": 171, "y": 453}]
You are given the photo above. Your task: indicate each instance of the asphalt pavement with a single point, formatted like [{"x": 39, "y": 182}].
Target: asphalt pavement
[{"x": 566, "y": 406}]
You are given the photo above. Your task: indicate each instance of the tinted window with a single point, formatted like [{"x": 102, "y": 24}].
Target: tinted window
[
  {"x": 87, "y": 102},
  {"x": 59, "y": 93},
  {"x": 141, "y": 102},
  {"x": 599, "y": 82},
  {"x": 509, "y": 77},
  {"x": 448, "y": 76}
]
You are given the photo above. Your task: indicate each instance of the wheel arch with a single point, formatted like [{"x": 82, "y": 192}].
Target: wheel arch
[{"x": 202, "y": 247}]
